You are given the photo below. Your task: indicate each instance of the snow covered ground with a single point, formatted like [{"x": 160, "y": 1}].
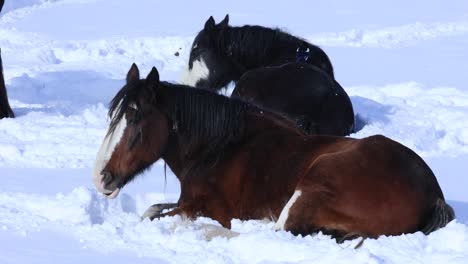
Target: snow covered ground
[{"x": 402, "y": 63}]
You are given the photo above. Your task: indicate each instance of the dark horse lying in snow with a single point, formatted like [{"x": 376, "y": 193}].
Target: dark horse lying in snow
[
  {"x": 5, "y": 109},
  {"x": 235, "y": 160},
  {"x": 221, "y": 53},
  {"x": 317, "y": 103},
  {"x": 255, "y": 57}
]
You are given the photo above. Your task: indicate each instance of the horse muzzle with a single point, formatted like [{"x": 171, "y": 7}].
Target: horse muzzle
[{"x": 106, "y": 184}]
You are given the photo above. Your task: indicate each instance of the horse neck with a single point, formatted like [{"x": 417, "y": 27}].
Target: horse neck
[
  {"x": 258, "y": 123},
  {"x": 203, "y": 124},
  {"x": 173, "y": 157},
  {"x": 251, "y": 47},
  {"x": 244, "y": 48}
]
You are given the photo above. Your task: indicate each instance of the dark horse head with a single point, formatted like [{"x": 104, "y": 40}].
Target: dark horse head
[
  {"x": 147, "y": 114},
  {"x": 221, "y": 53},
  {"x": 127, "y": 131}
]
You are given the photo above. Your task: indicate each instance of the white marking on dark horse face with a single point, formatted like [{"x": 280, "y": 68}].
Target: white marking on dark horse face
[
  {"x": 105, "y": 153},
  {"x": 133, "y": 106},
  {"x": 198, "y": 72},
  {"x": 285, "y": 212}
]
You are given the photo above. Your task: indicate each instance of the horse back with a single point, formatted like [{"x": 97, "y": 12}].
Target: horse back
[
  {"x": 285, "y": 49},
  {"x": 304, "y": 92}
]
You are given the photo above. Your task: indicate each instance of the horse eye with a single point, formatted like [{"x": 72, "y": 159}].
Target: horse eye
[
  {"x": 134, "y": 119},
  {"x": 133, "y": 115},
  {"x": 195, "y": 46}
]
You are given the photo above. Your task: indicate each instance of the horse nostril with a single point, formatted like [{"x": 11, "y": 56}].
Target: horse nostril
[{"x": 106, "y": 177}]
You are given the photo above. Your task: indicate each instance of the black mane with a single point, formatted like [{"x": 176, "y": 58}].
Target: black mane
[
  {"x": 257, "y": 46},
  {"x": 206, "y": 119}
]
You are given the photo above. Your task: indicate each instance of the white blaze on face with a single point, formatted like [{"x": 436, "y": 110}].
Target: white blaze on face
[
  {"x": 285, "y": 212},
  {"x": 105, "y": 153},
  {"x": 198, "y": 72}
]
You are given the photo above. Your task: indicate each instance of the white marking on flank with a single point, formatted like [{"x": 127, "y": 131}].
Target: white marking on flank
[
  {"x": 198, "y": 72},
  {"x": 285, "y": 212},
  {"x": 105, "y": 152}
]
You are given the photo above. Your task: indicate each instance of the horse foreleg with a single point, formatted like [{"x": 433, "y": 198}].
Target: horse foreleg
[
  {"x": 155, "y": 211},
  {"x": 210, "y": 230},
  {"x": 213, "y": 209}
]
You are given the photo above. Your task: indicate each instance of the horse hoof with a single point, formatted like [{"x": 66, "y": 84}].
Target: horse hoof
[
  {"x": 151, "y": 213},
  {"x": 155, "y": 211}
]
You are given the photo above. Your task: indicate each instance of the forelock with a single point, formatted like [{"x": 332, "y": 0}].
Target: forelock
[{"x": 129, "y": 94}]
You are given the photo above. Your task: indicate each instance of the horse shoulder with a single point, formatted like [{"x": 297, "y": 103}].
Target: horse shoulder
[{"x": 215, "y": 190}]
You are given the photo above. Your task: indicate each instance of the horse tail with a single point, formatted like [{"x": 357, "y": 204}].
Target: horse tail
[{"x": 440, "y": 217}]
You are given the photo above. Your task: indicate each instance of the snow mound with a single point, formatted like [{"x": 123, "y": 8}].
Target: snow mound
[
  {"x": 428, "y": 120},
  {"x": 392, "y": 36}
]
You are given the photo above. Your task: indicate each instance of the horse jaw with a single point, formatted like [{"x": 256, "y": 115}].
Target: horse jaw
[
  {"x": 198, "y": 72},
  {"x": 105, "y": 153}
]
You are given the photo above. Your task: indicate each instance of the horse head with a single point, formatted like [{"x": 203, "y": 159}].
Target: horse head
[
  {"x": 209, "y": 66},
  {"x": 137, "y": 135}
]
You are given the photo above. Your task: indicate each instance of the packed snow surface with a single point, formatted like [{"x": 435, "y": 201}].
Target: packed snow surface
[{"x": 402, "y": 63}]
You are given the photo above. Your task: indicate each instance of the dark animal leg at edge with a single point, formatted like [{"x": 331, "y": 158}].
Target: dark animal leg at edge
[{"x": 5, "y": 109}]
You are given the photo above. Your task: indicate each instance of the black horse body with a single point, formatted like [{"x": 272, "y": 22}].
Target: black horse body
[
  {"x": 306, "y": 94},
  {"x": 5, "y": 109},
  {"x": 262, "y": 62},
  {"x": 228, "y": 52}
]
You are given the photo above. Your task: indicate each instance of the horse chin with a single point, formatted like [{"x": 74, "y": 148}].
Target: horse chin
[{"x": 113, "y": 194}]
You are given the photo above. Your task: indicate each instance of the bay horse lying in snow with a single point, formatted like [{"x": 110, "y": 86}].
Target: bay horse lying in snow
[
  {"x": 221, "y": 53},
  {"x": 5, "y": 109},
  {"x": 315, "y": 101},
  {"x": 235, "y": 160}
]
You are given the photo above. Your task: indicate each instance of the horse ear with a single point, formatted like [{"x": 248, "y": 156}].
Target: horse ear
[
  {"x": 153, "y": 77},
  {"x": 133, "y": 74},
  {"x": 210, "y": 24},
  {"x": 225, "y": 21}
]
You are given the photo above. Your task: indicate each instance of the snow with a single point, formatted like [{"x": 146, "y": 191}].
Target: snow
[{"x": 402, "y": 63}]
